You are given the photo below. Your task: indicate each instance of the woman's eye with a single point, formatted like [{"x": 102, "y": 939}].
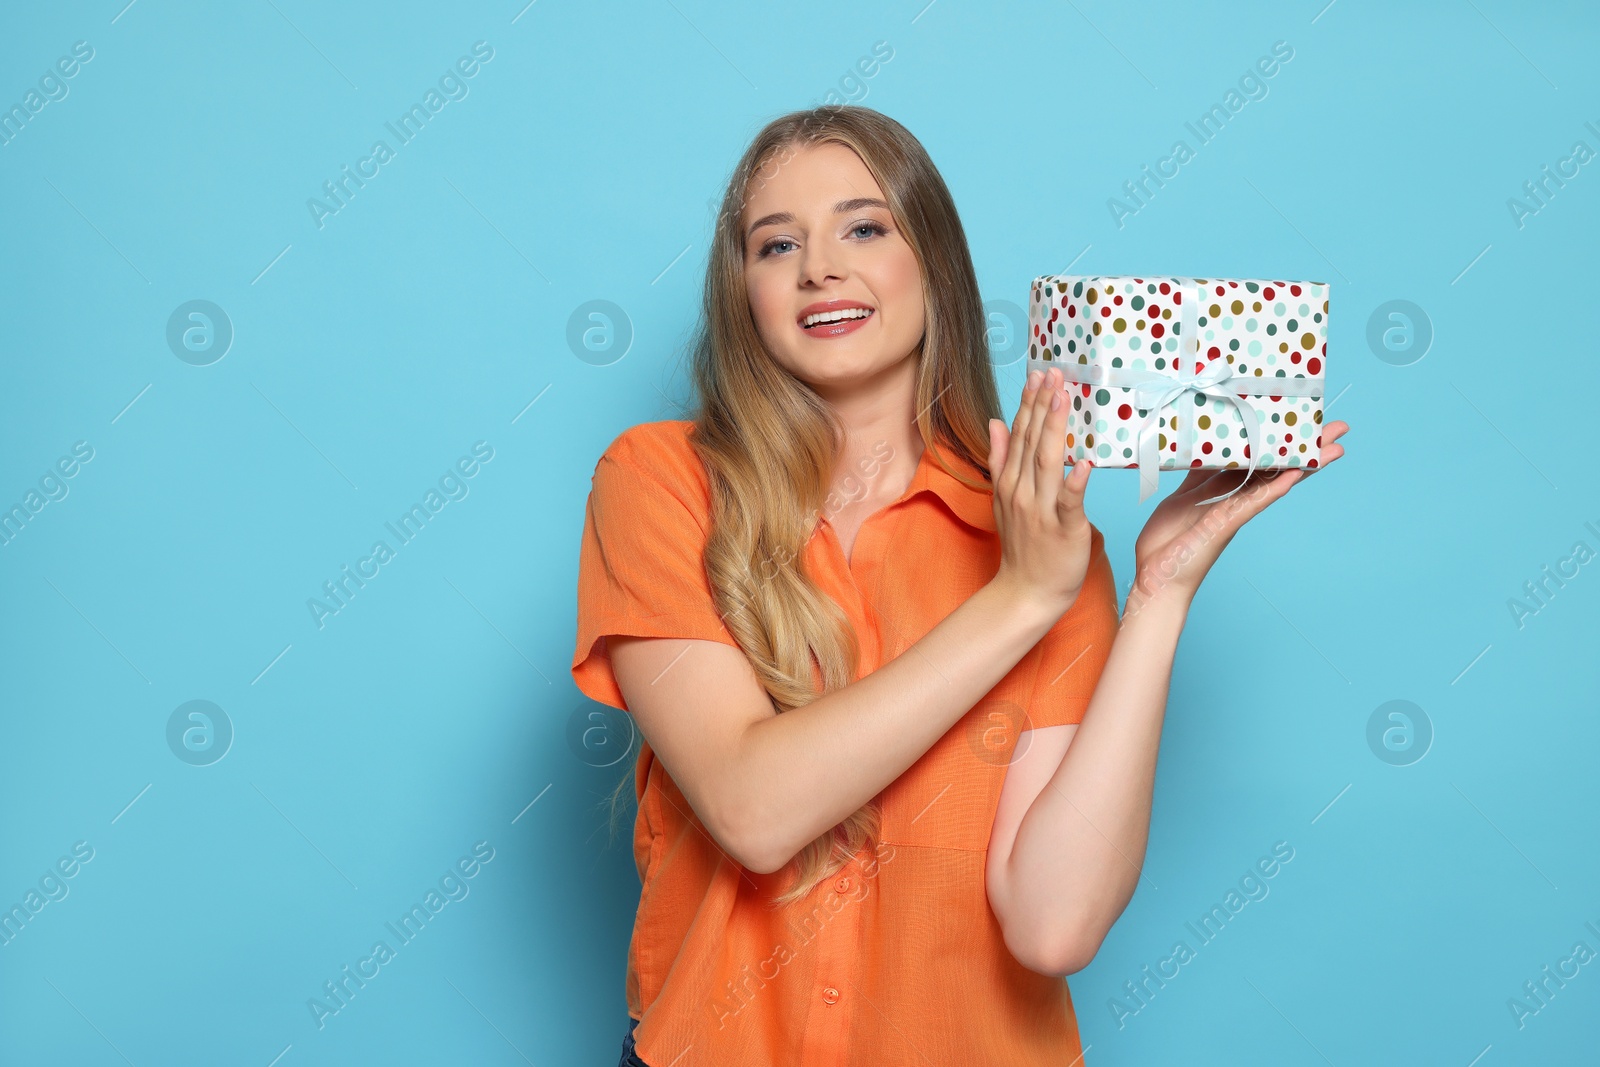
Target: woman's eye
[
  {"x": 772, "y": 246},
  {"x": 870, "y": 227}
]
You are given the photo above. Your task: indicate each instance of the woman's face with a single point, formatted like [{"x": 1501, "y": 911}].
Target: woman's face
[{"x": 819, "y": 238}]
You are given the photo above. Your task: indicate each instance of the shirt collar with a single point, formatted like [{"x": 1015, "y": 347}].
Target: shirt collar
[{"x": 975, "y": 507}]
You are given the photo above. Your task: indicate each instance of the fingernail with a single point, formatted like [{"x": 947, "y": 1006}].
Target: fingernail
[{"x": 1034, "y": 378}]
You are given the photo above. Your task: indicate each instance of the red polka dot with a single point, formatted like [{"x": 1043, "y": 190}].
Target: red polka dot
[
  {"x": 1266, "y": 293},
  {"x": 1125, "y": 411},
  {"x": 1221, "y": 291},
  {"x": 1294, "y": 357},
  {"x": 1194, "y": 463},
  {"x": 1294, "y": 289},
  {"x": 1156, "y": 330},
  {"x": 1072, "y": 311},
  {"x": 1274, "y": 399},
  {"x": 1246, "y": 451},
  {"x": 1314, "y": 366},
  {"x": 1117, "y": 299},
  {"x": 1105, "y": 311},
  {"x": 1177, "y": 298},
  {"x": 1232, "y": 285},
  {"x": 1283, "y": 451},
  {"x": 1205, "y": 446},
  {"x": 1312, "y": 462},
  {"x": 1085, "y": 390},
  {"x": 1165, "y": 288},
  {"x": 1213, "y": 352}
]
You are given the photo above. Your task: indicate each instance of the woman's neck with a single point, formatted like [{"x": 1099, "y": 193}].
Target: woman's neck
[{"x": 882, "y": 445}]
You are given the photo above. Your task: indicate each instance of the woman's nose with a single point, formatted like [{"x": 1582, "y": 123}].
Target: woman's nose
[{"x": 820, "y": 262}]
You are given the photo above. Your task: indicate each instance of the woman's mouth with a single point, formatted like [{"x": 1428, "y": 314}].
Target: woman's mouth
[{"x": 835, "y": 323}]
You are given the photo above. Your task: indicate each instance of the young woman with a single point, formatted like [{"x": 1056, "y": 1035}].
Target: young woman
[{"x": 898, "y": 746}]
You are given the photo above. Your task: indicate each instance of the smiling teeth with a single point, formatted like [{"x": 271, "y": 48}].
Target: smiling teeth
[{"x": 836, "y": 316}]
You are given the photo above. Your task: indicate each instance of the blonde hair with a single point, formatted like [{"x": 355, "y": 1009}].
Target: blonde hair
[{"x": 769, "y": 443}]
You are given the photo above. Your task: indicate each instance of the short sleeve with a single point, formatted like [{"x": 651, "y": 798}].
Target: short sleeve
[
  {"x": 641, "y": 565},
  {"x": 1074, "y": 653}
]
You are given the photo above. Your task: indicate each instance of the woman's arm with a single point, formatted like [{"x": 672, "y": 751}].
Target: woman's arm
[
  {"x": 765, "y": 784},
  {"x": 1074, "y": 860},
  {"x": 1068, "y": 869}
]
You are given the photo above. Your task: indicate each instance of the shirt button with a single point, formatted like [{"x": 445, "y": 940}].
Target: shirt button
[
  {"x": 842, "y": 885},
  {"x": 830, "y": 995}
]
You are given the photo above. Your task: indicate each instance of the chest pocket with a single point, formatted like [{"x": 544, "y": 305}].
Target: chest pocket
[{"x": 948, "y": 798}]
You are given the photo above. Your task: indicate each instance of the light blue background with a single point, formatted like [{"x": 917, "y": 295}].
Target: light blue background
[{"x": 432, "y": 311}]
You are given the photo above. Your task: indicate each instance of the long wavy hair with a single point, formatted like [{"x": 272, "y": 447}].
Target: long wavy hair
[{"x": 770, "y": 443}]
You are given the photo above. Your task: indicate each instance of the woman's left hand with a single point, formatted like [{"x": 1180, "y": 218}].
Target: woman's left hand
[{"x": 1181, "y": 540}]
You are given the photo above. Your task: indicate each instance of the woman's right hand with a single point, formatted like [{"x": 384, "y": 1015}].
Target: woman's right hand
[{"x": 1044, "y": 535}]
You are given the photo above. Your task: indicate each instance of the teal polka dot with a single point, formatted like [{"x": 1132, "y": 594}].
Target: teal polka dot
[{"x": 1253, "y": 348}]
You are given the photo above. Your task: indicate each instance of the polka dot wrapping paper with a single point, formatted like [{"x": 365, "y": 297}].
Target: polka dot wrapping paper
[{"x": 1163, "y": 371}]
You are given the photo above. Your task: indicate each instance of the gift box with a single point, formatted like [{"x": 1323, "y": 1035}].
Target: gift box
[{"x": 1176, "y": 373}]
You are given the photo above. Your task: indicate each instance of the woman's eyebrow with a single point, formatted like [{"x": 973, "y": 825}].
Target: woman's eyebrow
[{"x": 841, "y": 208}]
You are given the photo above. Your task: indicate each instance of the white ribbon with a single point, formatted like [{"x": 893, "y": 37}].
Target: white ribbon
[{"x": 1155, "y": 390}]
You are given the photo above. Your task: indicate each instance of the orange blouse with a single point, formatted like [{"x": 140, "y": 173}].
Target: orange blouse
[{"x": 900, "y": 950}]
